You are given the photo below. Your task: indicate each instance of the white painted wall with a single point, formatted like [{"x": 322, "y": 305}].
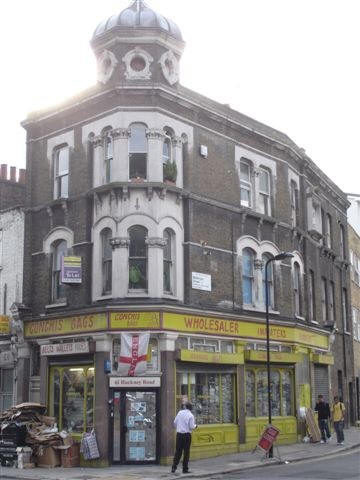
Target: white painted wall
[{"x": 11, "y": 257}]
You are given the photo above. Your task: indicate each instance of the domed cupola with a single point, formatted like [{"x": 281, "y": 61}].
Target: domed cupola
[{"x": 138, "y": 45}]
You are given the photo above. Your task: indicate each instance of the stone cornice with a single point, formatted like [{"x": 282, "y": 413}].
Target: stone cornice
[
  {"x": 155, "y": 242},
  {"x": 120, "y": 242}
]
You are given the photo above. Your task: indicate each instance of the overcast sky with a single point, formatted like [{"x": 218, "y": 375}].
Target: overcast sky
[{"x": 292, "y": 64}]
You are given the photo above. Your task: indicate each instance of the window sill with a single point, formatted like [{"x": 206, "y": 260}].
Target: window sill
[
  {"x": 56, "y": 305},
  {"x": 251, "y": 308},
  {"x": 312, "y": 321},
  {"x": 105, "y": 296},
  {"x": 137, "y": 293},
  {"x": 347, "y": 333},
  {"x": 298, "y": 317}
]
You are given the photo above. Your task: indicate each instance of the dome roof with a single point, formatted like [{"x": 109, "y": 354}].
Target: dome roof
[{"x": 138, "y": 15}]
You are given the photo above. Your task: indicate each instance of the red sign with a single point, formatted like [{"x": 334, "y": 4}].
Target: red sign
[{"x": 268, "y": 437}]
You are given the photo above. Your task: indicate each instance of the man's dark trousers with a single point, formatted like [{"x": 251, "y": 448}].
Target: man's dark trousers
[
  {"x": 183, "y": 442},
  {"x": 324, "y": 429}
]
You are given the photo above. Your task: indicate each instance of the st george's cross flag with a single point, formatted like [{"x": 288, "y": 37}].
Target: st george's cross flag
[{"x": 133, "y": 354}]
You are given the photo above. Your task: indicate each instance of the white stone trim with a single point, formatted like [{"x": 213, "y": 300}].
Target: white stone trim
[
  {"x": 131, "y": 74},
  {"x": 66, "y": 138},
  {"x": 170, "y": 67},
  {"x": 105, "y": 72},
  {"x": 58, "y": 233}
]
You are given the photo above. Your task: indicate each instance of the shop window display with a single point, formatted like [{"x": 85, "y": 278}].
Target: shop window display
[
  {"x": 72, "y": 398},
  {"x": 212, "y": 396},
  {"x": 257, "y": 394}
]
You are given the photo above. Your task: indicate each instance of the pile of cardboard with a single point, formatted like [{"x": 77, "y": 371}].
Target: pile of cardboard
[{"x": 47, "y": 444}]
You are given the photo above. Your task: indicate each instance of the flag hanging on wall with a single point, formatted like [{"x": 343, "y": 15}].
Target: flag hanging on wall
[{"x": 133, "y": 354}]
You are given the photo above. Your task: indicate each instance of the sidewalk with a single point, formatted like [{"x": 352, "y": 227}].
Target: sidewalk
[{"x": 200, "y": 468}]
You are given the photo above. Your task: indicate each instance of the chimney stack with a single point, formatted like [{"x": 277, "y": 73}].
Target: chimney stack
[
  {"x": 22, "y": 175},
  {"x": 3, "y": 171},
  {"x": 12, "y": 174}
]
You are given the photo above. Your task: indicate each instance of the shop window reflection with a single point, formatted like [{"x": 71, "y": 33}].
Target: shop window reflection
[
  {"x": 56, "y": 394},
  {"x": 212, "y": 396},
  {"x": 281, "y": 392},
  {"x": 73, "y": 400},
  {"x": 90, "y": 399}
]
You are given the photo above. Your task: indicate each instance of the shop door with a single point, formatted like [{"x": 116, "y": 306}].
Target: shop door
[{"x": 139, "y": 426}]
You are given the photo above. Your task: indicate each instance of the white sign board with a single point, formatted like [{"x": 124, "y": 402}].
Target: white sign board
[
  {"x": 64, "y": 348},
  {"x": 201, "y": 281},
  {"x": 135, "y": 382},
  {"x": 6, "y": 358}
]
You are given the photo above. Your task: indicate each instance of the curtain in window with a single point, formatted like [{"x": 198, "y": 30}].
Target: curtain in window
[
  {"x": 248, "y": 275},
  {"x": 138, "y": 258}
]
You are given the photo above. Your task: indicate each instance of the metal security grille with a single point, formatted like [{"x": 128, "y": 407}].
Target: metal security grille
[{"x": 321, "y": 382}]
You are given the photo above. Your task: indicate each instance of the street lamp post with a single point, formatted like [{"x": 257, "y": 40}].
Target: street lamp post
[{"x": 280, "y": 256}]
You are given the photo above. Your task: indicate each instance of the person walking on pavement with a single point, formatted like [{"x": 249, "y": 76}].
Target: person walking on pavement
[
  {"x": 184, "y": 423},
  {"x": 338, "y": 412},
  {"x": 323, "y": 410}
]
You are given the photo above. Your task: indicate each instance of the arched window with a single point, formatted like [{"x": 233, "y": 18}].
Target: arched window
[
  {"x": 245, "y": 184},
  {"x": 297, "y": 288},
  {"x": 61, "y": 186},
  {"x": 108, "y": 155},
  {"x": 270, "y": 271},
  {"x": 59, "y": 250},
  {"x": 138, "y": 258},
  {"x": 138, "y": 151},
  {"x": 248, "y": 276},
  {"x": 168, "y": 261},
  {"x": 106, "y": 248}
]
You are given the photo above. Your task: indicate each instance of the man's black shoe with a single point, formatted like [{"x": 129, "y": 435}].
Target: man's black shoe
[
  {"x": 173, "y": 470},
  {"x": 187, "y": 471}
]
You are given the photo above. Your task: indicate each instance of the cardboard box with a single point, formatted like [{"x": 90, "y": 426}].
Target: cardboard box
[
  {"x": 50, "y": 458},
  {"x": 70, "y": 456}
]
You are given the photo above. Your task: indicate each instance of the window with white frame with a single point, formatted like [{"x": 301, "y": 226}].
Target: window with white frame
[
  {"x": 264, "y": 191},
  {"x": 245, "y": 184},
  {"x": 356, "y": 324},
  {"x": 294, "y": 203},
  {"x": 168, "y": 252},
  {"x": 324, "y": 299},
  {"x": 138, "y": 276},
  {"x": 61, "y": 172},
  {"x": 297, "y": 288},
  {"x": 108, "y": 155},
  {"x": 59, "y": 250},
  {"x": 328, "y": 233},
  {"x": 204, "y": 344},
  {"x": 355, "y": 267},
  {"x": 270, "y": 279},
  {"x": 312, "y": 304},
  {"x": 138, "y": 151},
  {"x": 248, "y": 257},
  {"x": 106, "y": 248}
]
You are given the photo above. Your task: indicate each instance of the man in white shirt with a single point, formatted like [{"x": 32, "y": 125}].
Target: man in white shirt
[{"x": 184, "y": 423}]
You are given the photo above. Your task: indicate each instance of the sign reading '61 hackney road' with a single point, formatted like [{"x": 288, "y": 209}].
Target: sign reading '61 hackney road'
[{"x": 63, "y": 326}]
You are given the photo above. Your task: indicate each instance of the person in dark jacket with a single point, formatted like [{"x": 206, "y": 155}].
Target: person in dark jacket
[{"x": 323, "y": 410}]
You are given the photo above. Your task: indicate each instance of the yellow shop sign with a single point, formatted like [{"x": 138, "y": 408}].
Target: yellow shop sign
[
  {"x": 209, "y": 357},
  {"x": 242, "y": 329},
  {"x": 275, "y": 357},
  {"x": 63, "y": 326},
  {"x": 134, "y": 320},
  {"x": 4, "y": 325},
  {"x": 191, "y": 323}
]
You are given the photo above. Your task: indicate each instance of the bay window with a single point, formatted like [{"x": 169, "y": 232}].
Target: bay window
[
  {"x": 138, "y": 149},
  {"x": 106, "y": 235},
  {"x": 138, "y": 279}
]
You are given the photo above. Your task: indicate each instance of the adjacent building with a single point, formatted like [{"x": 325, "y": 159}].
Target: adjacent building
[
  {"x": 354, "y": 246},
  {"x": 153, "y": 208},
  {"x": 12, "y": 217}
]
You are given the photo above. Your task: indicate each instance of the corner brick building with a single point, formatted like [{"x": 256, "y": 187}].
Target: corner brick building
[{"x": 168, "y": 204}]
